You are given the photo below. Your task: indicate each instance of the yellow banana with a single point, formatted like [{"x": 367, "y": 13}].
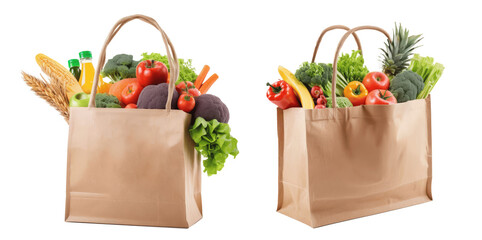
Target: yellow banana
[{"x": 299, "y": 88}]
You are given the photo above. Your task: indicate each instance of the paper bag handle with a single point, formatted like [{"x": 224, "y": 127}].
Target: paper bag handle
[
  {"x": 171, "y": 56},
  {"x": 338, "y": 49},
  {"x": 332, "y": 28}
]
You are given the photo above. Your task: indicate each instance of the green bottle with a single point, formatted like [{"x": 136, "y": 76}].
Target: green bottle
[{"x": 74, "y": 66}]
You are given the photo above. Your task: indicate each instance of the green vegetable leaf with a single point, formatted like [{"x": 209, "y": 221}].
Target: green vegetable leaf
[
  {"x": 428, "y": 70},
  {"x": 352, "y": 66},
  {"x": 214, "y": 142}
]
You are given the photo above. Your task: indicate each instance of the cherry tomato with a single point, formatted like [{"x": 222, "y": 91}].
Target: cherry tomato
[
  {"x": 376, "y": 80},
  {"x": 131, "y": 105},
  {"x": 186, "y": 102},
  {"x": 181, "y": 87},
  {"x": 380, "y": 97},
  {"x": 320, "y": 106},
  {"x": 194, "y": 92},
  {"x": 316, "y": 92},
  {"x": 131, "y": 93},
  {"x": 321, "y": 100}
]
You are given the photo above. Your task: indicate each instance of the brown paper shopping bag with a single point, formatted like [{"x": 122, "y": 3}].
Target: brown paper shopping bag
[
  {"x": 337, "y": 164},
  {"x": 133, "y": 166}
]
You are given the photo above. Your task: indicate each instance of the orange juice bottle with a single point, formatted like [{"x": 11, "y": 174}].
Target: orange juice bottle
[{"x": 87, "y": 75}]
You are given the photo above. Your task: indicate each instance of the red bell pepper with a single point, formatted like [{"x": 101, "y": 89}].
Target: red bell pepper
[
  {"x": 150, "y": 72},
  {"x": 281, "y": 94}
]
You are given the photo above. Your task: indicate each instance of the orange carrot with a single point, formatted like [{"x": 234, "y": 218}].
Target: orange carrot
[
  {"x": 202, "y": 75},
  {"x": 208, "y": 83}
]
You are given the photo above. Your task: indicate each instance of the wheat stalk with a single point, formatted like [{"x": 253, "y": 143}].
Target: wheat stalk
[{"x": 54, "y": 93}]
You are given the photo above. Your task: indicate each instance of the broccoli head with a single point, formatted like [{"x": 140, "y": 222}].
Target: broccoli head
[
  {"x": 119, "y": 67},
  {"x": 314, "y": 74},
  {"x": 103, "y": 100},
  {"x": 406, "y": 85}
]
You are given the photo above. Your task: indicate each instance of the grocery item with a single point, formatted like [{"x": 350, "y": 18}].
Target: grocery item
[
  {"x": 131, "y": 93},
  {"x": 210, "y": 107},
  {"x": 397, "y": 52},
  {"x": 406, "y": 86},
  {"x": 88, "y": 72},
  {"x": 428, "y": 70},
  {"x": 186, "y": 70},
  {"x": 155, "y": 97},
  {"x": 314, "y": 74},
  {"x": 54, "y": 94},
  {"x": 103, "y": 100},
  {"x": 117, "y": 88},
  {"x": 59, "y": 75},
  {"x": 352, "y": 67},
  {"x": 151, "y": 72},
  {"x": 74, "y": 68},
  {"x": 121, "y": 66},
  {"x": 131, "y": 105},
  {"x": 356, "y": 92},
  {"x": 316, "y": 92},
  {"x": 341, "y": 102},
  {"x": 214, "y": 141},
  {"x": 281, "y": 94},
  {"x": 186, "y": 102},
  {"x": 380, "y": 97},
  {"x": 300, "y": 89},
  {"x": 202, "y": 75},
  {"x": 208, "y": 83},
  {"x": 80, "y": 99},
  {"x": 376, "y": 80}
]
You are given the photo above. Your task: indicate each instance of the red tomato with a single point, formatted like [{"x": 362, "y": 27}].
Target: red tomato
[
  {"x": 320, "y": 106},
  {"x": 150, "y": 72},
  {"x": 131, "y": 93},
  {"x": 186, "y": 102},
  {"x": 380, "y": 97},
  {"x": 376, "y": 80},
  {"x": 321, "y": 100},
  {"x": 181, "y": 87},
  {"x": 316, "y": 92},
  {"x": 194, "y": 92},
  {"x": 131, "y": 105}
]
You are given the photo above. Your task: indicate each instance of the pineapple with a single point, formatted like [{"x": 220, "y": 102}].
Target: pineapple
[{"x": 397, "y": 53}]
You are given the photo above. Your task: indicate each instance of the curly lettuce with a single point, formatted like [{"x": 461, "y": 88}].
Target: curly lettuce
[
  {"x": 352, "y": 66},
  {"x": 214, "y": 141}
]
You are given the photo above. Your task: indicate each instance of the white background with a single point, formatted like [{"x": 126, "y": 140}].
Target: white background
[{"x": 244, "y": 43}]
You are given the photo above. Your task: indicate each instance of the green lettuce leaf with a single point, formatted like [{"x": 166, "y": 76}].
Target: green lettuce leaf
[{"x": 214, "y": 141}]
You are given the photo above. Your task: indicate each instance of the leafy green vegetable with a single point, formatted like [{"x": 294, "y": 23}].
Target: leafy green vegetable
[
  {"x": 103, "y": 100},
  {"x": 314, "y": 74},
  {"x": 352, "y": 66},
  {"x": 186, "y": 70},
  {"x": 214, "y": 141},
  {"x": 428, "y": 70},
  {"x": 406, "y": 86},
  {"x": 121, "y": 66},
  {"x": 341, "y": 83},
  {"x": 341, "y": 102}
]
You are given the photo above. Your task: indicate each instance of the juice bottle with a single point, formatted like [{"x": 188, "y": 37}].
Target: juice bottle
[{"x": 87, "y": 75}]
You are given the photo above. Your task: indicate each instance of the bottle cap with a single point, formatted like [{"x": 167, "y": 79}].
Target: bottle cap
[
  {"x": 85, "y": 54},
  {"x": 74, "y": 63}
]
